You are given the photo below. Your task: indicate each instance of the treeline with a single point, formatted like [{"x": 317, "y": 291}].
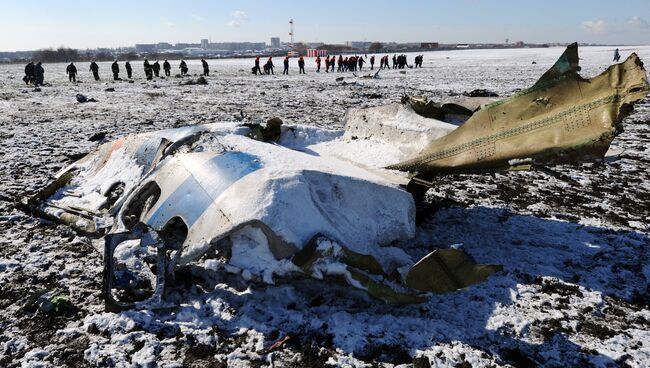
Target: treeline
[{"x": 63, "y": 54}]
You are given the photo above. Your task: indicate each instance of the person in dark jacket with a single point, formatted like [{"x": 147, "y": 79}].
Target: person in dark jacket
[
  {"x": 167, "y": 68},
  {"x": 256, "y": 68},
  {"x": 318, "y": 64},
  {"x": 156, "y": 69},
  {"x": 206, "y": 68},
  {"x": 360, "y": 62},
  {"x": 116, "y": 70},
  {"x": 94, "y": 68},
  {"x": 129, "y": 70},
  {"x": 617, "y": 56},
  {"x": 148, "y": 70},
  {"x": 372, "y": 62},
  {"x": 268, "y": 67},
  {"x": 286, "y": 65},
  {"x": 29, "y": 73},
  {"x": 71, "y": 70},
  {"x": 39, "y": 74},
  {"x": 301, "y": 65},
  {"x": 183, "y": 67}
]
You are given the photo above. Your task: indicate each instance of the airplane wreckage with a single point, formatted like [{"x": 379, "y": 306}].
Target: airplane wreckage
[{"x": 266, "y": 201}]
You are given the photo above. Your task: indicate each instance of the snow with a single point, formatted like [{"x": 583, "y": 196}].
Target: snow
[{"x": 573, "y": 292}]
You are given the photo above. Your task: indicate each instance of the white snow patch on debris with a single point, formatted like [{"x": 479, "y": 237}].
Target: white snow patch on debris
[{"x": 250, "y": 251}]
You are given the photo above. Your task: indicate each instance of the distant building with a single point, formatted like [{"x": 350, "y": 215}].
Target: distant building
[
  {"x": 275, "y": 42},
  {"x": 315, "y": 52},
  {"x": 236, "y": 46},
  {"x": 145, "y": 47},
  {"x": 358, "y": 44},
  {"x": 181, "y": 46},
  {"x": 205, "y": 44},
  {"x": 429, "y": 45},
  {"x": 519, "y": 44},
  {"x": 164, "y": 46}
]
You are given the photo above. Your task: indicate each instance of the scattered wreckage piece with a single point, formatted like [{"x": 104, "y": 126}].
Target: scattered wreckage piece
[
  {"x": 563, "y": 118},
  {"x": 191, "y": 82},
  {"x": 83, "y": 99},
  {"x": 176, "y": 196}
]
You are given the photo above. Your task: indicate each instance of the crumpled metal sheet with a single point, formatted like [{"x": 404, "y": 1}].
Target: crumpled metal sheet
[{"x": 562, "y": 118}]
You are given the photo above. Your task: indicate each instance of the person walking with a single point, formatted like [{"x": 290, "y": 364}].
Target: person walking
[
  {"x": 148, "y": 69},
  {"x": 156, "y": 69},
  {"x": 301, "y": 65},
  {"x": 256, "y": 68},
  {"x": 167, "y": 67},
  {"x": 206, "y": 68},
  {"x": 39, "y": 74},
  {"x": 318, "y": 64},
  {"x": 183, "y": 67},
  {"x": 360, "y": 62},
  {"x": 617, "y": 55},
  {"x": 268, "y": 68},
  {"x": 116, "y": 70},
  {"x": 94, "y": 68},
  {"x": 129, "y": 70},
  {"x": 285, "y": 71},
  {"x": 29, "y": 73},
  {"x": 71, "y": 70},
  {"x": 372, "y": 62}
]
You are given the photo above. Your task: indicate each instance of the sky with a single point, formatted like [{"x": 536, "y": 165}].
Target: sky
[{"x": 36, "y": 24}]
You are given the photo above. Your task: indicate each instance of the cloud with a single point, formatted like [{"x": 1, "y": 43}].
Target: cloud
[
  {"x": 167, "y": 22},
  {"x": 638, "y": 22},
  {"x": 595, "y": 27},
  {"x": 239, "y": 14}
]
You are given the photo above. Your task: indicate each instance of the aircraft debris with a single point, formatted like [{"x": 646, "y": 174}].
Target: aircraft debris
[
  {"x": 563, "y": 118},
  {"x": 262, "y": 203}
]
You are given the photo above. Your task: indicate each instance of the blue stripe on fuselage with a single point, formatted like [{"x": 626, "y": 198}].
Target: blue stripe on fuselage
[{"x": 201, "y": 188}]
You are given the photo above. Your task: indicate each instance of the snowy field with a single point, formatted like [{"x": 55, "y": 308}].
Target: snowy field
[{"x": 575, "y": 290}]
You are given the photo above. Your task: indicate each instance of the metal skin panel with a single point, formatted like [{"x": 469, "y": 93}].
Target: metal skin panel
[
  {"x": 562, "y": 118},
  {"x": 191, "y": 182}
]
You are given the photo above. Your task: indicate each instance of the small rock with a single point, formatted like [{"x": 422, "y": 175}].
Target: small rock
[{"x": 97, "y": 136}]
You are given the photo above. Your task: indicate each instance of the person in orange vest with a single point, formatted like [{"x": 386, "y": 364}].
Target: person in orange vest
[
  {"x": 301, "y": 65},
  {"x": 286, "y": 66},
  {"x": 327, "y": 64},
  {"x": 317, "y": 64},
  {"x": 268, "y": 67},
  {"x": 256, "y": 68}
]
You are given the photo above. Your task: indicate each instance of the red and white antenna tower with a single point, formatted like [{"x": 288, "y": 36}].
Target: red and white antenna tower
[{"x": 291, "y": 32}]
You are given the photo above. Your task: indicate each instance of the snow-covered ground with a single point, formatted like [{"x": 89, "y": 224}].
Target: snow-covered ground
[{"x": 576, "y": 285}]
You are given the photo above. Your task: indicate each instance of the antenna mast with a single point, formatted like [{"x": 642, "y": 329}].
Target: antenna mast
[{"x": 291, "y": 32}]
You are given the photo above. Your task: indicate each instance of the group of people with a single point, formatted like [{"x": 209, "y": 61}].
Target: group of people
[
  {"x": 35, "y": 74},
  {"x": 340, "y": 64},
  {"x": 399, "y": 62}
]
